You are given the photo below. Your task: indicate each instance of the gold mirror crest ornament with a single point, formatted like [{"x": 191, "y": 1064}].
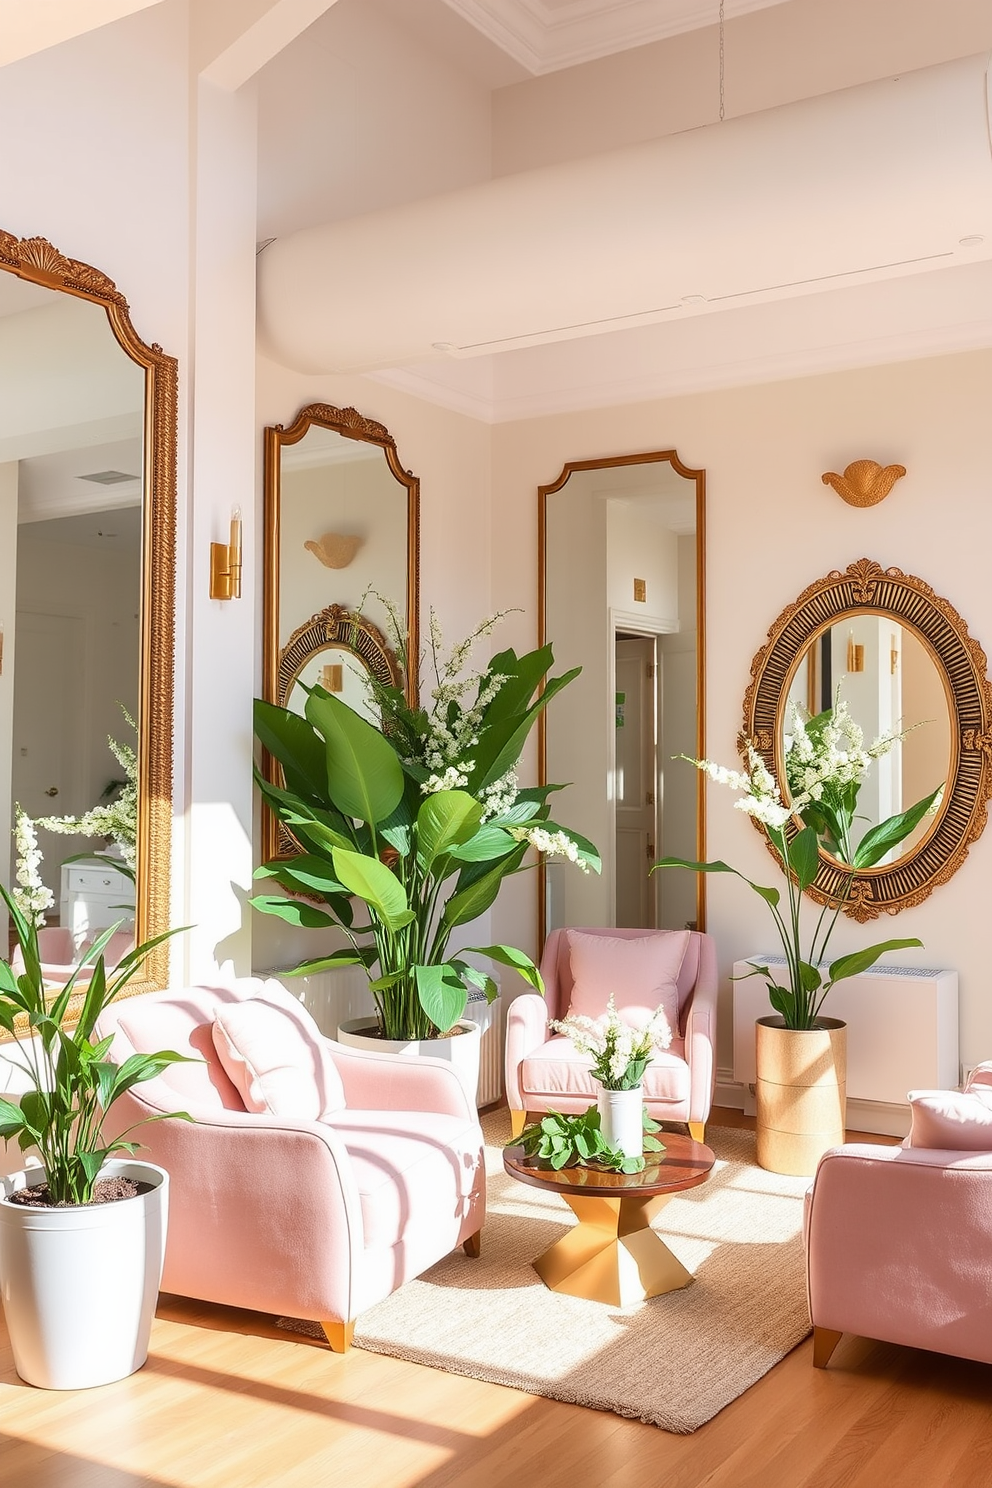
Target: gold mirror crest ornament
[
  {"x": 866, "y": 588},
  {"x": 37, "y": 261}
]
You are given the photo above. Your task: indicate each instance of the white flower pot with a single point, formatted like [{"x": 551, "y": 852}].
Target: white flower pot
[
  {"x": 460, "y": 1050},
  {"x": 80, "y": 1284},
  {"x": 621, "y": 1119}
]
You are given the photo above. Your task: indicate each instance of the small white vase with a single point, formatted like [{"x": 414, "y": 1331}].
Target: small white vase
[{"x": 621, "y": 1119}]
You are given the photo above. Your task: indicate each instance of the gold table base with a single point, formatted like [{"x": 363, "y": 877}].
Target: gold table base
[{"x": 612, "y": 1255}]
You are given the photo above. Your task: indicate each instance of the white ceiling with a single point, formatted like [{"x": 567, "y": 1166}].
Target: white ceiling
[{"x": 546, "y": 35}]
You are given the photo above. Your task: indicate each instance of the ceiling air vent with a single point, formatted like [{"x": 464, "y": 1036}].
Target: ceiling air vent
[{"x": 108, "y": 477}]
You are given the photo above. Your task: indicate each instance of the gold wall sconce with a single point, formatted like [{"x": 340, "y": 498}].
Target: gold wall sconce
[
  {"x": 335, "y": 549},
  {"x": 855, "y": 655},
  {"x": 225, "y": 563},
  {"x": 864, "y": 482}
]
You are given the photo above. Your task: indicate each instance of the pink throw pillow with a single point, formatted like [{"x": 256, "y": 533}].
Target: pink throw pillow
[
  {"x": 276, "y": 1057},
  {"x": 642, "y": 973},
  {"x": 960, "y": 1121}
]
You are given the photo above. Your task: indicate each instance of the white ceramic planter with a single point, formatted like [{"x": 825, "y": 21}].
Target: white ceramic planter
[
  {"x": 621, "y": 1119},
  {"x": 461, "y": 1050},
  {"x": 80, "y": 1285}
]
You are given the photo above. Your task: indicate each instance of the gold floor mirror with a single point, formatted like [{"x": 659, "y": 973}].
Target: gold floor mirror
[{"x": 87, "y": 580}]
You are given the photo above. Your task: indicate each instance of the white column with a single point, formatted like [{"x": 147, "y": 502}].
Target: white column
[{"x": 8, "y": 610}]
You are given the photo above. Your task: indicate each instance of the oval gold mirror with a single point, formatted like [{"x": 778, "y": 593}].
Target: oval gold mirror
[
  {"x": 903, "y": 659},
  {"x": 341, "y": 536},
  {"x": 87, "y": 584}
]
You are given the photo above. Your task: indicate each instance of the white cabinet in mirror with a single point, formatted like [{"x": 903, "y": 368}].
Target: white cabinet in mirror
[{"x": 622, "y": 542}]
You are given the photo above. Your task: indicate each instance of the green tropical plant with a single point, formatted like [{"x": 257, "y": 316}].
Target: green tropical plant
[
  {"x": 826, "y": 761},
  {"x": 569, "y": 1141},
  {"x": 72, "y": 1084},
  {"x": 420, "y": 821}
]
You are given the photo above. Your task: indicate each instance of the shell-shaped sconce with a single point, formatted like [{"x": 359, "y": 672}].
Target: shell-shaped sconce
[
  {"x": 864, "y": 482},
  {"x": 335, "y": 549}
]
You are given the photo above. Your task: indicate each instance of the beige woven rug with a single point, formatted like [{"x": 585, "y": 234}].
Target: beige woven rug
[{"x": 674, "y": 1360}]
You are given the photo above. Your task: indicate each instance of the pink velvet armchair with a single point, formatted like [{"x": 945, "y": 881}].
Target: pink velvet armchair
[
  {"x": 311, "y": 1219},
  {"x": 898, "y": 1239},
  {"x": 544, "y": 1072}
]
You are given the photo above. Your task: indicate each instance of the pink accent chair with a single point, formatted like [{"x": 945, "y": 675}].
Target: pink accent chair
[
  {"x": 544, "y": 1072},
  {"x": 316, "y": 1220},
  {"x": 59, "y": 956},
  {"x": 898, "y": 1241}
]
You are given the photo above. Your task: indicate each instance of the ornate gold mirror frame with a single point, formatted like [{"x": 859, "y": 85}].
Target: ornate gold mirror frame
[
  {"x": 38, "y": 262},
  {"x": 865, "y": 587},
  {"x": 334, "y": 624},
  {"x": 697, "y": 497}
]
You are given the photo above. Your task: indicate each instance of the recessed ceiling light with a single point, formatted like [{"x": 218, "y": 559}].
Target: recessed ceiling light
[
  {"x": 108, "y": 477},
  {"x": 975, "y": 240},
  {"x": 443, "y": 345}
]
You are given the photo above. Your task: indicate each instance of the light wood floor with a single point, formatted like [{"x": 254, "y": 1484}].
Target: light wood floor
[{"x": 227, "y": 1401}]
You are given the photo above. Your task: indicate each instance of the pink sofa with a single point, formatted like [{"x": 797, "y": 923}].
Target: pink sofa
[
  {"x": 316, "y": 1220},
  {"x": 899, "y": 1246},
  {"x": 544, "y": 1072},
  {"x": 59, "y": 956}
]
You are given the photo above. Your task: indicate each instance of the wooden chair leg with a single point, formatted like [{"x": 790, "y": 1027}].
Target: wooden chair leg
[
  {"x": 339, "y": 1335},
  {"x": 473, "y": 1245},
  {"x": 825, "y": 1340},
  {"x": 697, "y": 1130},
  {"x": 518, "y": 1120}
]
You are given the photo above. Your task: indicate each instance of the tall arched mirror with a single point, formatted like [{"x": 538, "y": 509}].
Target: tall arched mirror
[
  {"x": 622, "y": 548},
  {"x": 341, "y": 537},
  {"x": 87, "y": 582}
]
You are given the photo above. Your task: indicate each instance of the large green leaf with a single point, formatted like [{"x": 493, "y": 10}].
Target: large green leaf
[
  {"x": 373, "y": 882},
  {"x": 363, "y": 956},
  {"x": 804, "y": 857},
  {"x": 888, "y": 834},
  {"x": 467, "y": 904},
  {"x": 500, "y": 746},
  {"x": 364, "y": 776},
  {"x": 859, "y": 961},
  {"x": 770, "y": 896},
  {"x": 510, "y": 956},
  {"x": 293, "y": 911},
  {"x": 445, "y": 821},
  {"x": 523, "y": 674},
  {"x": 489, "y": 842},
  {"x": 307, "y": 872},
  {"x": 291, "y": 740},
  {"x": 588, "y": 852},
  {"x": 442, "y": 994}
]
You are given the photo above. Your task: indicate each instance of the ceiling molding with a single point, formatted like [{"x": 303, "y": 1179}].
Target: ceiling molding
[
  {"x": 777, "y": 366},
  {"x": 547, "y": 35}
]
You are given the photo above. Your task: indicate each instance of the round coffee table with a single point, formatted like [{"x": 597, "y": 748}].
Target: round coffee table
[{"x": 613, "y": 1255}]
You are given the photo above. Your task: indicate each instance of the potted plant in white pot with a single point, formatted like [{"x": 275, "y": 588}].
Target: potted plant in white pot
[
  {"x": 82, "y": 1235},
  {"x": 800, "y": 1053},
  {"x": 420, "y": 821}
]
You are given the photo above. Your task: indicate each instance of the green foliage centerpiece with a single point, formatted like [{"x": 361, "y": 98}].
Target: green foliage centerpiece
[{"x": 420, "y": 820}]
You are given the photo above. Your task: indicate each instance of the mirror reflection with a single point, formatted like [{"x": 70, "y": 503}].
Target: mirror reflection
[
  {"x": 340, "y": 565},
  {"x": 891, "y": 683},
  {"x": 71, "y": 491},
  {"x": 622, "y": 598}
]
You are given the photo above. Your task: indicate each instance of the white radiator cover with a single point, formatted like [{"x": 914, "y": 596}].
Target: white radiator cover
[
  {"x": 332, "y": 997},
  {"x": 902, "y": 1032}
]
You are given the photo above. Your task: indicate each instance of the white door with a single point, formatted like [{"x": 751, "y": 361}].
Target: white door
[
  {"x": 635, "y": 780},
  {"x": 47, "y": 768}
]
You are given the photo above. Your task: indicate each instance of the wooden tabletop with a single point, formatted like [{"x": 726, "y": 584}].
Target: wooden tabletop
[{"x": 683, "y": 1164}]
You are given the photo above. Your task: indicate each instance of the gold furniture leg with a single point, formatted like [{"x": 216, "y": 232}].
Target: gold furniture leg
[
  {"x": 473, "y": 1245},
  {"x": 612, "y": 1255},
  {"x": 339, "y": 1335},
  {"x": 825, "y": 1340},
  {"x": 697, "y": 1130},
  {"x": 518, "y": 1120}
]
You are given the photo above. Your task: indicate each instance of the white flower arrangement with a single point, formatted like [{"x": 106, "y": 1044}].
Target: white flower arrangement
[
  {"x": 32, "y": 897},
  {"x": 620, "y": 1052},
  {"x": 117, "y": 819}
]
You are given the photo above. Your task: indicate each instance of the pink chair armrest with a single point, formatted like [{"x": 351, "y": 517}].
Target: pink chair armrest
[
  {"x": 266, "y": 1214},
  {"x": 981, "y": 1076},
  {"x": 700, "y": 1033},
  {"x": 898, "y": 1241},
  {"x": 375, "y": 1081},
  {"x": 526, "y": 1030}
]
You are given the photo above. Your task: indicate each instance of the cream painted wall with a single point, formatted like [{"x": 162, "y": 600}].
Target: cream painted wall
[
  {"x": 772, "y": 527},
  {"x": 8, "y": 592}
]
